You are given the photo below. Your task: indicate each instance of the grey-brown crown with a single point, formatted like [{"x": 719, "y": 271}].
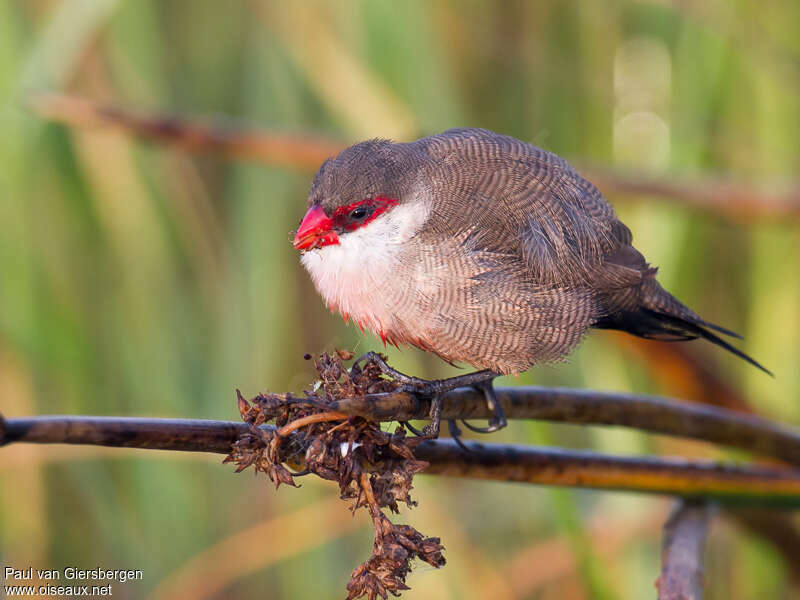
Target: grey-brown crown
[{"x": 367, "y": 170}]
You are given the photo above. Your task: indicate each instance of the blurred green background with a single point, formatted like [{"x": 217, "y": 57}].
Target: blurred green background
[{"x": 137, "y": 279}]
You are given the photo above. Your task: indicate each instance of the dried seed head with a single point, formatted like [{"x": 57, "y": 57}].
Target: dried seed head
[{"x": 373, "y": 468}]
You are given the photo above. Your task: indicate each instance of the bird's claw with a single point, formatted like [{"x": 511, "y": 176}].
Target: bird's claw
[
  {"x": 480, "y": 380},
  {"x": 498, "y": 419},
  {"x": 455, "y": 433},
  {"x": 431, "y": 430},
  {"x": 495, "y": 424}
]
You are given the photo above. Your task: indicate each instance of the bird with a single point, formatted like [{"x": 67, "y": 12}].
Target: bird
[{"x": 481, "y": 249}]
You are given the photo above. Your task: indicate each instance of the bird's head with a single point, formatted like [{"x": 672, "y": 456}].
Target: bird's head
[{"x": 362, "y": 187}]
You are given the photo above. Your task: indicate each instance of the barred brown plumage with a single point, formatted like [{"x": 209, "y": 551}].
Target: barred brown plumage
[{"x": 494, "y": 252}]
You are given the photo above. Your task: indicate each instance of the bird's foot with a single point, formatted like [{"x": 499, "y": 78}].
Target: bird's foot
[
  {"x": 414, "y": 383},
  {"x": 434, "y": 388},
  {"x": 452, "y": 427},
  {"x": 498, "y": 419},
  {"x": 427, "y": 387},
  {"x": 431, "y": 430}
]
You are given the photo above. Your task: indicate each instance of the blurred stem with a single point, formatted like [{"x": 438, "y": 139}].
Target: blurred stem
[
  {"x": 748, "y": 485},
  {"x": 308, "y": 152},
  {"x": 780, "y": 529},
  {"x": 569, "y": 521},
  {"x": 685, "y": 375},
  {"x": 682, "y": 552},
  {"x": 297, "y": 151}
]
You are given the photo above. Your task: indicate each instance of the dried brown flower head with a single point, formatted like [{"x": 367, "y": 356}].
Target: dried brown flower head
[{"x": 374, "y": 468}]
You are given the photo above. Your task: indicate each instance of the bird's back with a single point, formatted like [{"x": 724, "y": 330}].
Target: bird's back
[{"x": 528, "y": 255}]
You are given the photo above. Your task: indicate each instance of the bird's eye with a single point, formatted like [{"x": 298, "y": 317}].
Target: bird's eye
[{"x": 358, "y": 213}]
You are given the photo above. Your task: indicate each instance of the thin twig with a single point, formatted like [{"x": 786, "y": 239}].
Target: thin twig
[
  {"x": 292, "y": 150},
  {"x": 315, "y": 418},
  {"x": 714, "y": 195},
  {"x": 647, "y": 413},
  {"x": 672, "y": 476},
  {"x": 189, "y": 435},
  {"x": 755, "y": 485},
  {"x": 588, "y": 407},
  {"x": 682, "y": 550},
  {"x": 307, "y": 152}
]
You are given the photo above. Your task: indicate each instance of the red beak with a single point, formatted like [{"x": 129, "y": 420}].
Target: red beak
[{"x": 315, "y": 231}]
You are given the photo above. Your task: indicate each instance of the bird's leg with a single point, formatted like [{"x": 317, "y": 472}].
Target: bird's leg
[
  {"x": 480, "y": 380},
  {"x": 452, "y": 427},
  {"x": 427, "y": 387},
  {"x": 431, "y": 430},
  {"x": 377, "y": 359},
  {"x": 412, "y": 429}
]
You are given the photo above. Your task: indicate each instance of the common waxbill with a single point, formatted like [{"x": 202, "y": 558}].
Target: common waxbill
[{"x": 482, "y": 249}]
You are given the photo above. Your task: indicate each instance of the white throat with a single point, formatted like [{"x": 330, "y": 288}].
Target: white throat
[{"x": 352, "y": 276}]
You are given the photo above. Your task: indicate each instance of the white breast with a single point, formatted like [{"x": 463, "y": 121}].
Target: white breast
[{"x": 355, "y": 276}]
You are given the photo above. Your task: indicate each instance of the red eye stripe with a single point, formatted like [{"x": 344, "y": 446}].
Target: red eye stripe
[{"x": 379, "y": 205}]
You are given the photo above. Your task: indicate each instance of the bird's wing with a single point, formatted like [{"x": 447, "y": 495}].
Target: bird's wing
[
  {"x": 515, "y": 197},
  {"x": 513, "y": 237},
  {"x": 557, "y": 244}
]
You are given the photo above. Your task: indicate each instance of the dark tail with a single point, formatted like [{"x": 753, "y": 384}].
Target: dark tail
[{"x": 657, "y": 325}]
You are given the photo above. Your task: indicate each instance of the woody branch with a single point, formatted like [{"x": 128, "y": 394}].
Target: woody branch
[{"x": 754, "y": 484}]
